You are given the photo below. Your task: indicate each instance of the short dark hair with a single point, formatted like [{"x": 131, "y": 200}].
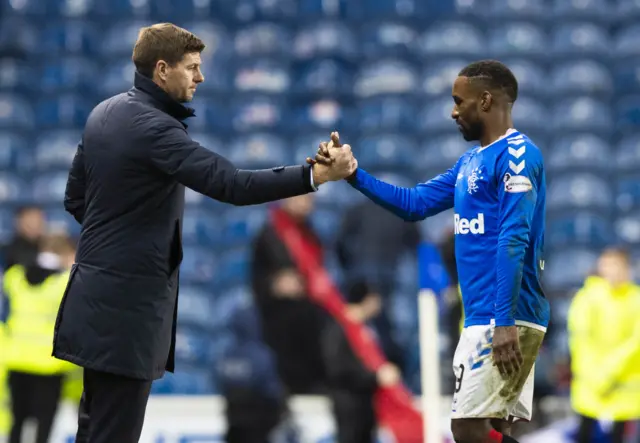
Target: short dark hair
[
  {"x": 496, "y": 75},
  {"x": 163, "y": 41}
]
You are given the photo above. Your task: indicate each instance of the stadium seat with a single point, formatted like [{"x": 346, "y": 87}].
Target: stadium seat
[
  {"x": 434, "y": 228},
  {"x": 233, "y": 267},
  {"x": 209, "y": 140},
  {"x": 573, "y": 40},
  {"x": 628, "y": 153},
  {"x": 70, "y": 38},
  {"x": 240, "y": 226},
  {"x": 325, "y": 39},
  {"x": 582, "y": 114},
  {"x": 319, "y": 9},
  {"x": 628, "y": 113},
  {"x": 306, "y": 144},
  {"x": 118, "y": 40},
  {"x": 268, "y": 76},
  {"x": 15, "y": 155},
  {"x": 67, "y": 111},
  {"x": 600, "y": 10},
  {"x": 226, "y": 306},
  {"x": 323, "y": 77},
  {"x": 259, "y": 10},
  {"x": 627, "y": 10},
  {"x": 33, "y": 8},
  {"x": 216, "y": 37},
  {"x": 15, "y": 113},
  {"x": 259, "y": 113},
  {"x": 186, "y": 381},
  {"x": 60, "y": 220},
  {"x": 627, "y": 77},
  {"x": 257, "y": 151},
  {"x": 18, "y": 37},
  {"x": 628, "y": 192},
  {"x": 582, "y": 77},
  {"x": 323, "y": 114},
  {"x": 211, "y": 115},
  {"x": 13, "y": 189},
  {"x": 586, "y": 152},
  {"x": 49, "y": 188},
  {"x": 17, "y": 76},
  {"x": 200, "y": 227},
  {"x": 436, "y": 116},
  {"x": 336, "y": 195},
  {"x": 438, "y": 77},
  {"x": 56, "y": 149},
  {"x": 579, "y": 191},
  {"x": 386, "y": 114},
  {"x": 567, "y": 268},
  {"x": 124, "y": 9},
  {"x": 579, "y": 229},
  {"x": 386, "y": 77},
  {"x": 117, "y": 78},
  {"x": 441, "y": 153},
  {"x": 452, "y": 39},
  {"x": 517, "y": 9},
  {"x": 196, "y": 307},
  {"x": 69, "y": 74},
  {"x": 262, "y": 39},
  {"x": 69, "y": 9},
  {"x": 532, "y": 77},
  {"x": 198, "y": 266},
  {"x": 186, "y": 10},
  {"x": 405, "y": 9},
  {"x": 193, "y": 346},
  {"x": 7, "y": 227},
  {"x": 625, "y": 42},
  {"x": 388, "y": 39},
  {"x": 518, "y": 39},
  {"x": 387, "y": 152},
  {"x": 627, "y": 228},
  {"x": 530, "y": 114}
]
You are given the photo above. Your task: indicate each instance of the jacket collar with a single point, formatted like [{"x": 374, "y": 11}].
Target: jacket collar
[{"x": 162, "y": 100}]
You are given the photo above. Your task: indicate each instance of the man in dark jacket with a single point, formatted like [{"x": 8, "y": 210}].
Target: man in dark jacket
[{"x": 126, "y": 187}]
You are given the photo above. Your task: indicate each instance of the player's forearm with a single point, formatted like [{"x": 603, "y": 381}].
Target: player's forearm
[
  {"x": 511, "y": 251},
  {"x": 406, "y": 203}
]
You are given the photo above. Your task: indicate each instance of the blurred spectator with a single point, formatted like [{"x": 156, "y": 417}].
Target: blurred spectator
[
  {"x": 250, "y": 384},
  {"x": 370, "y": 244},
  {"x": 35, "y": 378},
  {"x": 352, "y": 385},
  {"x": 23, "y": 248},
  {"x": 291, "y": 322},
  {"x": 604, "y": 340}
]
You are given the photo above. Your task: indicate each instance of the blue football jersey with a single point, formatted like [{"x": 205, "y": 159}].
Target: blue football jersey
[{"x": 498, "y": 193}]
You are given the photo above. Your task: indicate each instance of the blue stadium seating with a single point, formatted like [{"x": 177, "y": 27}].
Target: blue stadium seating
[{"x": 281, "y": 74}]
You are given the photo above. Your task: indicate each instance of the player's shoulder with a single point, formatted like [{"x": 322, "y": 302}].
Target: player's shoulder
[{"x": 519, "y": 146}]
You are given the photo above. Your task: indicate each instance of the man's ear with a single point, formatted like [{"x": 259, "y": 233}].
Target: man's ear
[
  {"x": 161, "y": 69},
  {"x": 486, "y": 101}
]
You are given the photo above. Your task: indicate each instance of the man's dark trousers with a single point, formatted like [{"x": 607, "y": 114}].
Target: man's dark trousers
[{"x": 112, "y": 408}]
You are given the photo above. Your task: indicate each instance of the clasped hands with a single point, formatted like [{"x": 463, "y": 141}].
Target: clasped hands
[{"x": 333, "y": 161}]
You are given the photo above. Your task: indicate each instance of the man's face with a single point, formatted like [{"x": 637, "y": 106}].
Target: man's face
[
  {"x": 31, "y": 223},
  {"x": 466, "y": 110},
  {"x": 182, "y": 79},
  {"x": 614, "y": 268},
  {"x": 299, "y": 207}
]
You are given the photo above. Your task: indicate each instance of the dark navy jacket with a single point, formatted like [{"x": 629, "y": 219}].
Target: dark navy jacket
[{"x": 126, "y": 187}]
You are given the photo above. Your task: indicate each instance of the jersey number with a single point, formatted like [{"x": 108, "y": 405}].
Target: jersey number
[{"x": 459, "y": 379}]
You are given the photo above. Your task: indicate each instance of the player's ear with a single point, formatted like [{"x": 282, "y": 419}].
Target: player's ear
[{"x": 486, "y": 100}]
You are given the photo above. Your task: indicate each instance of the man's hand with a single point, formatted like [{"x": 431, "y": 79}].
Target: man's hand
[
  {"x": 333, "y": 162},
  {"x": 506, "y": 350},
  {"x": 388, "y": 375},
  {"x": 288, "y": 284}
]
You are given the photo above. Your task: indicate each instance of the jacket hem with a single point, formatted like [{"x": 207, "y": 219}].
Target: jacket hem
[{"x": 138, "y": 375}]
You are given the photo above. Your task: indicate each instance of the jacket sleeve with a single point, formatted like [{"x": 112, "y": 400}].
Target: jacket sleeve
[
  {"x": 410, "y": 204},
  {"x": 519, "y": 175},
  {"x": 176, "y": 155},
  {"x": 75, "y": 190}
]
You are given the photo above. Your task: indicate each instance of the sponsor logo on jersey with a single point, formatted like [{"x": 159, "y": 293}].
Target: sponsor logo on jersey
[
  {"x": 463, "y": 226},
  {"x": 517, "y": 183}
]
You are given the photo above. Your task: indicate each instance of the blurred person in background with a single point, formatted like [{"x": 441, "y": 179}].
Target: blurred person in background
[
  {"x": 372, "y": 251},
  {"x": 292, "y": 323},
  {"x": 604, "y": 341},
  {"x": 36, "y": 378},
  {"x": 23, "y": 247},
  {"x": 351, "y": 385},
  {"x": 255, "y": 401}
]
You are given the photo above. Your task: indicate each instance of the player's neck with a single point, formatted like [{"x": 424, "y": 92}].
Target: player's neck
[{"x": 496, "y": 131}]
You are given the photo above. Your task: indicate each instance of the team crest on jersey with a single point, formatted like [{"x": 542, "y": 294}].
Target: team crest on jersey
[{"x": 472, "y": 180}]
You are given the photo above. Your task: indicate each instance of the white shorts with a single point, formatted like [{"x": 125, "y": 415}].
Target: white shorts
[{"x": 480, "y": 391}]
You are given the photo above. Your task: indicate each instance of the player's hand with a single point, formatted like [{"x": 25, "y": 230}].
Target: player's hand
[
  {"x": 323, "y": 156},
  {"x": 342, "y": 162},
  {"x": 506, "y": 350}
]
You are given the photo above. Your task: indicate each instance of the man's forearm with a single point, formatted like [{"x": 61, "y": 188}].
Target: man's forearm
[{"x": 266, "y": 185}]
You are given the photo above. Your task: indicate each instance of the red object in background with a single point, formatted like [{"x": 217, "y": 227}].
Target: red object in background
[{"x": 394, "y": 405}]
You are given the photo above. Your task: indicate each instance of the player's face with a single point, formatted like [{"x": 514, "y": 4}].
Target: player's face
[
  {"x": 183, "y": 78},
  {"x": 466, "y": 109}
]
